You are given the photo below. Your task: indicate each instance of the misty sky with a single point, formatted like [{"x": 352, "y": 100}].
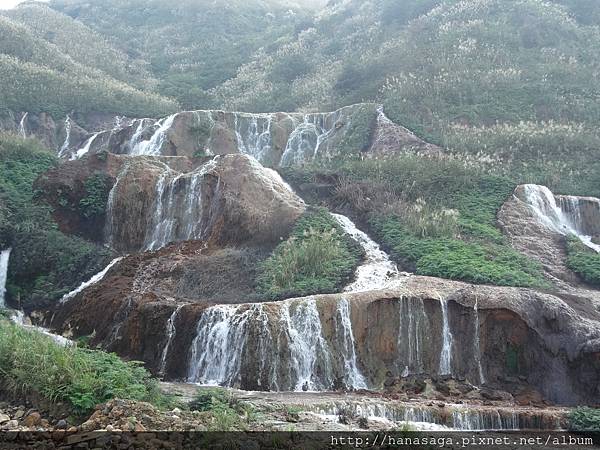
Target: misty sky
[{"x": 7, "y": 4}]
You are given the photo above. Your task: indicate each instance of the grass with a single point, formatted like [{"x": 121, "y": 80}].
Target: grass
[
  {"x": 224, "y": 411},
  {"x": 317, "y": 258},
  {"x": 436, "y": 217},
  {"x": 583, "y": 261},
  {"x": 33, "y": 362}
]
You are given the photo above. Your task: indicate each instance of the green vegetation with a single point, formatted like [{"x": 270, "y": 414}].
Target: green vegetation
[
  {"x": 32, "y": 362},
  {"x": 584, "y": 419},
  {"x": 39, "y": 76},
  {"x": 436, "y": 217},
  {"x": 317, "y": 258},
  {"x": 226, "y": 413},
  {"x": 45, "y": 264},
  {"x": 97, "y": 189},
  {"x": 583, "y": 261}
]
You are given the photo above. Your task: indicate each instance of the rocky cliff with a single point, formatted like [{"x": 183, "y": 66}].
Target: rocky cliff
[
  {"x": 152, "y": 201},
  {"x": 275, "y": 140},
  {"x": 505, "y": 338}
]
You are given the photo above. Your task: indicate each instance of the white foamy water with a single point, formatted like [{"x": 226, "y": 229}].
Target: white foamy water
[
  {"x": 447, "y": 341},
  {"x": 170, "y": 335},
  {"x": 95, "y": 279},
  {"x": 378, "y": 271},
  {"x": 4, "y": 259},
  {"x": 548, "y": 212}
]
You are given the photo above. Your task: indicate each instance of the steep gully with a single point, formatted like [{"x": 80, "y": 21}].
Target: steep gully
[{"x": 299, "y": 344}]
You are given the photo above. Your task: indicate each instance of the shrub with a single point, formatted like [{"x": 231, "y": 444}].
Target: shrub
[
  {"x": 583, "y": 261},
  {"x": 226, "y": 412},
  {"x": 33, "y": 362},
  {"x": 584, "y": 419},
  {"x": 45, "y": 263},
  {"x": 474, "y": 262},
  {"x": 317, "y": 258},
  {"x": 97, "y": 188}
]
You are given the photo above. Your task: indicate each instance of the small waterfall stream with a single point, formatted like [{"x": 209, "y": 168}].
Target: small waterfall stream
[
  {"x": 22, "y": 126},
  {"x": 4, "y": 259},
  {"x": 562, "y": 217},
  {"x": 177, "y": 212},
  {"x": 65, "y": 146},
  {"x": 154, "y": 145},
  {"x": 447, "y": 341},
  {"x": 478, "y": 343},
  {"x": 86, "y": 147},
  {"x": 86, "y": 284},
  {"x": 354, "y": 377},
  {"x": 413, "y": 323},
  {"x": 378, "y": 271},
  {"x": 170, "y": 335}
]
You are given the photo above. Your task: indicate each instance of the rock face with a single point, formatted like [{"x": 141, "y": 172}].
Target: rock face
[
  {"x": 538, "y": 223},
  {"x": 507, "y": 338},
  {"x": 275, "y": 140},
  {"x": 153, "y": 201}
]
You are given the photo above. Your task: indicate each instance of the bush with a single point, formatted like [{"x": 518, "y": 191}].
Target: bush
[
  {"x": 45, "y": 263},
  {"x": 32, "y": 362},
  {"x": 317, "y": 258},
  {"x": 226, "y": 412},
  {"x": 97, "y": 188},
  {"x": 475, "y": 262},
  {"x": 584, "y": 419},
  {"x": 583, "y": 261}
]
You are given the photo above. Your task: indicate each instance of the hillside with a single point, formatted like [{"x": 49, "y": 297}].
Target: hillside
[{"x": 348, "y": 215}]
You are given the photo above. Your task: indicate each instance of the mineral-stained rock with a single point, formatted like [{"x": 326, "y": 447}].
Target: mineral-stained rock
[
  {"x": 522, "y": 332},
  {"x": 155, "y": 200}
]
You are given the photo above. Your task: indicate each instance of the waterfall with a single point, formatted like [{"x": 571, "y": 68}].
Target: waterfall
[
  {"x": 22, "y": 130},
  {"x": 177, "y": 213},
  {"x": 254, "y": 137},
  {"x": 308, "y": 137},
  {"x": 354, "y": 378},
  {"x": 170, "y": 335},
  {"x": 307, "y": 346},
  {"x": 413, "y": 323},
  {"x": 378, "y": 270},
  {"x": 110, "y": 206},
  {"x": 154, "y": 146},
  {"x": 219, "y": 344},
  {"x": 478, "y": 343},
  {"x": 95, "y": 279},
  {"x": 447, "y": 341},
  {"x": 4, "y": 258},
  {"x": 484, "y": 420},
  {"x": 86, "y": 148},
  {"x": 234, "y": 343},
  {"x": 552, "y": 216},
  {"x": 65, "y": 147}
]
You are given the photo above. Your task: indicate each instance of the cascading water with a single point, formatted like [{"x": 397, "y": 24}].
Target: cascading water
[
  {"x": 170, "y": 335},
  {"x": 86, "y": 148},
  {"x": 154, "y": 146},
  {"x": 95, "y": 279},
  {"x": 378, "y": 271},
  {"x": 4, "y": 258},
  {"x": 565, "y": 221},
  {"x": 65, "y": 147},
  {"x": 307, "y": 346},
  {"x": 22, "y": 128},
  {"x": 413, "y": 323},
  {"x": 236, "y": 341},
  {"x": 447, "y": 341},
  {"x": 354, "y": 377},
  {"x": 218, "y": 346},
  {"x": 302, "y": 143},
  {"x": 478, "y": 343},
  {"x": 177, "y": 212},
  {"x": 253, "y": 134}
]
